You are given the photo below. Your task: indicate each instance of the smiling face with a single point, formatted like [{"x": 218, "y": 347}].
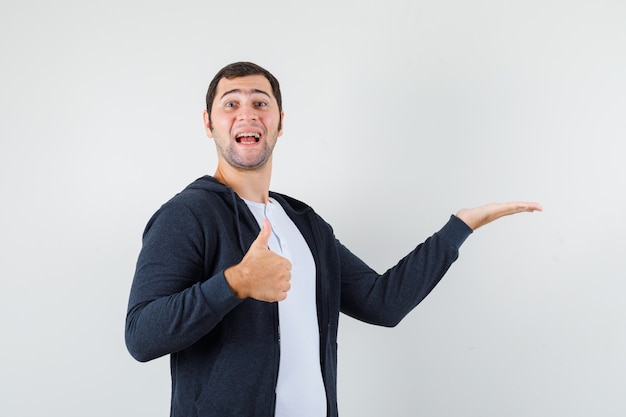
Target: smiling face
[{"x": 245, "y": 122}]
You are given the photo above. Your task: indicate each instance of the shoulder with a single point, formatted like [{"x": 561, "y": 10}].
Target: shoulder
[
  {"x": 290, "y": 203},
  {"x": 204, "y": 190},
  {"x": 199, "y": 202},
  {"x": 203, "y": 193}
]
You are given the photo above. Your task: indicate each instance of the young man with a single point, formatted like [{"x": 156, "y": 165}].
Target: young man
[{"x": 252, "y": 331}]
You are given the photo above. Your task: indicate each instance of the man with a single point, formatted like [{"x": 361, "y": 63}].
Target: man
[{"x": 252, "y": 331}]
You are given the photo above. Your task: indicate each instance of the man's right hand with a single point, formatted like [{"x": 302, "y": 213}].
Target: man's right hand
[{"x": 261, "y": 274}]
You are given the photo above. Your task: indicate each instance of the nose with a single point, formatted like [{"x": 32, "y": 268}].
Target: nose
[{"x": 247, "y": 112}]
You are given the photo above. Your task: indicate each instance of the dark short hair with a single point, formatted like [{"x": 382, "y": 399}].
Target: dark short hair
[{"x": 242, "y": 69}]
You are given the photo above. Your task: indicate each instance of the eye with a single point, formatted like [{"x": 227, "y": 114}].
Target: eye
[
  {"x": 261, "y": 104},
  {"x": 229, "y": 104}
]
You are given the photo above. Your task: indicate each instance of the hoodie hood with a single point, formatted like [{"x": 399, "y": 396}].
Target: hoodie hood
[
  {"x": 209, "y": 183},
  {"x": 226, "y": 193},
  {"x": 240, "y": 208}
]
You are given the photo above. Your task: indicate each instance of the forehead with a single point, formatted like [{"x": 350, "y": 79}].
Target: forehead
[{"x": 244, "y": 85}]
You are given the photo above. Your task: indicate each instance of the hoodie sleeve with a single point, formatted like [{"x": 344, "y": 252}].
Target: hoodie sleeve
[
  {"x": 386, "y": 299},
  {"x": 171, "y": 306}
]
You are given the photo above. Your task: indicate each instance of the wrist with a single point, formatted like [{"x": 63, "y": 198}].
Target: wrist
[{"x": 233, "y": 279}]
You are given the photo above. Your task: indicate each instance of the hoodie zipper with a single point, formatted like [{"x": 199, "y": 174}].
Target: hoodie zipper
[
  {"x": 322, "y": 302},
  {"x": 275, "y": 314},
  {"x": 277, "y": 355}
]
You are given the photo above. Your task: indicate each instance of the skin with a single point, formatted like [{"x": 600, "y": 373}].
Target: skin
[
  {"x": 247, "y": 105},
  {"x": 479, "y": 216},
  {"x": 244, "y": 104}
]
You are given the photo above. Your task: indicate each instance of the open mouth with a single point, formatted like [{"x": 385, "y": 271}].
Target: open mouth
[{"x": 247, "y": 138}]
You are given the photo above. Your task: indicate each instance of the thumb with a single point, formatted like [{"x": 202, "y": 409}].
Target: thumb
[{"x": 263, "y": 238}]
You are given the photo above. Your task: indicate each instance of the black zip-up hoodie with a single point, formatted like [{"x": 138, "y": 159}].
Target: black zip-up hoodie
[{"x": 224, "y": 352}]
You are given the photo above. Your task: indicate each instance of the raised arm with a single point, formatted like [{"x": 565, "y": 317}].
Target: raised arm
[{"x": 385, "y": 299}]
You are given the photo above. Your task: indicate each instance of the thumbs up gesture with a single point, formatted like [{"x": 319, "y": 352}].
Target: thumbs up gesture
[{"x": 261, "y": 274}]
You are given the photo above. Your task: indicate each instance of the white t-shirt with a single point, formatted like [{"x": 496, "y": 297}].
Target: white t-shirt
[{"x": 300, "y": 388}]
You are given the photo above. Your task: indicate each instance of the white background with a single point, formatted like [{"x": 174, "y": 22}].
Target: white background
[{"x": 398, "y": 113}]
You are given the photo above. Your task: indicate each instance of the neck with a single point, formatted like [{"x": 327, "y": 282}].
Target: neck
[{"x": 252, "y": 185}]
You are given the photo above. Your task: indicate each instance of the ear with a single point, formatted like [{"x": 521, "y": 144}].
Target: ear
[
  {"x": 207, "y": 123},
  {"x": 282, "y": 123}
]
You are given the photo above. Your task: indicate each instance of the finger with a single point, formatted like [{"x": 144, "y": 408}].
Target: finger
[
  {"x": 532, "y": 206},
  {"x": 524, "y": 206},
  {"x": 263, "y": 238}
]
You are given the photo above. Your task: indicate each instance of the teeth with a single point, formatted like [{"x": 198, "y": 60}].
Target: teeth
[{"x": 248, "y": 135}]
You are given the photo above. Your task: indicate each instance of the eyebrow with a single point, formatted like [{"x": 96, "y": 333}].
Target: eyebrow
[{"x": 247, "y": 92}]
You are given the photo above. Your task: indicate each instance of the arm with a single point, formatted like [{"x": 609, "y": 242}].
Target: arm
[
  {"x": 386, "y": 299},
  {"x": 171, "y": 303}
]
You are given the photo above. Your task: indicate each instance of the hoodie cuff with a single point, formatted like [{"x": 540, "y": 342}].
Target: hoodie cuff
[
  {"x": 218, "y": 295},
  {"x": 455, "y": 231}
]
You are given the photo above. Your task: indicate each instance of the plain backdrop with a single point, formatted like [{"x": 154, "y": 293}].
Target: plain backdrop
[{"x": 398, "y": 113}]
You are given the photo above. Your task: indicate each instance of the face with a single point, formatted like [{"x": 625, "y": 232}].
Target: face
[{"x": 245, "y": 122}]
